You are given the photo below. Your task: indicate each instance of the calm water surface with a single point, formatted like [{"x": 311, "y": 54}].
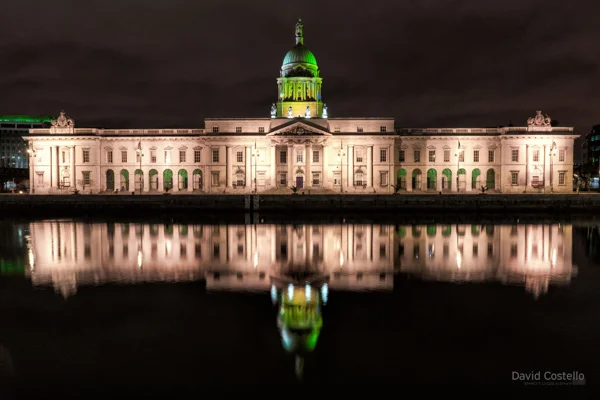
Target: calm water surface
[{"x": 99, "y": 305}]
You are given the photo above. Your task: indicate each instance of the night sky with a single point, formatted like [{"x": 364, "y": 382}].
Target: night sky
[{"x": 171, "y": 63}]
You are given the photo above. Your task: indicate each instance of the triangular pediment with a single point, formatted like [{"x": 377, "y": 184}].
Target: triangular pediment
[{"x": 295, "y": 128}]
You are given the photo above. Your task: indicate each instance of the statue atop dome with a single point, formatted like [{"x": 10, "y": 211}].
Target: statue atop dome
[{"x": 299, "y": 37}]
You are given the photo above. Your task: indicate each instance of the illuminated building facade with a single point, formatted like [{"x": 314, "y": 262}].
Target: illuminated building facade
[{"x": 300, "y": 144}]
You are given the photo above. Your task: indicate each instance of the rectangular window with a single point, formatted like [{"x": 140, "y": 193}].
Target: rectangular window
[
  {"x": 86, "y": 178},
  {"x": 315, "y": 156},
  {"x": 401, "y": 156},
  {"x": 536, "y": 156},
  {"x": 461, "y": 156},
  {"x": 238, "y": 129},
  {"x": 152, "y": 156},
  {"x": 475, "y": 155},
  {"x": 382, "y": 128},
  {"x": 215, "y": 179},
  {"x": 196, "y": 156},
  {"x": 383, "y": 178},
  {"x": 167, "y": 156},
  {"x": 299, "y": 156},
  {"x": 109, "y": 156},
  {"x": 181, "y": 156},
  {"x": 336, "y": 129},
  {"x": 240, "y": 156},
  {"x": 240, "y": 179},
  {"x": 316, "y": 178},
  {"x": 431, "y": 155},
  {"x": 514, "y": 178},
  {"x": 86, "y": 156},
  {"x": 215, "y": 156},
  {"x": 359, "y": 155},
  {"x": 215, "y": 129},
  {"x": 561, "y": 178},
  {"x": 446, "y": 155},
  {"x": 283, "y": 157},
  {"x": 123, "y": 156},
  {"x": 283, "y": 179},
  {"x": 261, "y": 129},
  {"x": 40, "y": 178},
  {"x": 561, "y": 155},
  {"x": 417, "y": 154},
  {"x": 337, "y": 178},
  {"x": 382, "y": 155},
  {"x": 64, "y": 157},
  {"x": 515, "y": 155},
  {"x": 359, "y": 129},
  {"x": 359, "y": 179},
  {"x": 490, "y": 155}
]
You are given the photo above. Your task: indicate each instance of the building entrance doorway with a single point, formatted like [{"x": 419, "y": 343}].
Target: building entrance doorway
[{"x": 299, "y": 182}]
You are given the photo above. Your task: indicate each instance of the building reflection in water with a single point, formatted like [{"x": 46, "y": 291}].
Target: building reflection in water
[
  {"x": 248, "y": 257},
  {"x": 297, "y": 264}
]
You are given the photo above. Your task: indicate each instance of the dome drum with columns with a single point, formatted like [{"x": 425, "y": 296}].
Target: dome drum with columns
[{"x": 299, "y": 85}]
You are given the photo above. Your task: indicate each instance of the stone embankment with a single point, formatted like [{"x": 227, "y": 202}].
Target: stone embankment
[{"x": 50, "y": 205}]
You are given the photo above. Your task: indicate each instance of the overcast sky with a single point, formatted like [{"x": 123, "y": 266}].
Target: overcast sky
[{"x": 171, "y": 63}]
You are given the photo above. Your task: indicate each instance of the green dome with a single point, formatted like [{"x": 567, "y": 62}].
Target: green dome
[{"x": 300, "y": 54}]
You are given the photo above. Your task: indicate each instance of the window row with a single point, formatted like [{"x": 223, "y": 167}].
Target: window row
[{"x": 238, "y": 129}]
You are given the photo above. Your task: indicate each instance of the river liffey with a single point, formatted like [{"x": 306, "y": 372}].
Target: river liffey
[{"x": 87, "y": 306}]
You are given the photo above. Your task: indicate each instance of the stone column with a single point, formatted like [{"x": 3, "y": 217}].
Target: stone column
[
  {"x": 273, "y": 165},
  {"x": 249, "y": 186},
  {"x": 228, "y": 166},
  {"x": 72, "y": 172},
  {"x": 290, "y": 165},
  {"x": 31, "y": 172},
  {"x": 308, "y": 162},
  {"x": 190, "y": 180},
  {"x": 350, "y": 173},
  {"x": 370, "y": 166},
  {"x": 52, "y": 162},
  {"x": 57, "y": 165},
  {"x": 325, "y": 166}
]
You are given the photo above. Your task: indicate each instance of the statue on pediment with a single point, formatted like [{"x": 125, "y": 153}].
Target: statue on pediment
[
  {"x": 290, "y": 115},
  {"x": 273, "y": 110},
  {"x": 62, "y": 124},
  {"x": 307, "y": 113},
  {"x": 541, "y": 120},
  {"x": 324, "y": 110}
]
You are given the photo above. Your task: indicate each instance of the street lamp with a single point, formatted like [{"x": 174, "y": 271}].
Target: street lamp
[
  {"x": 552, "y": 153},
  {"x": 140, "y": 155},
  {"x": 31, "y": 152},
  {"x": 341, "y": 155},
  {"x": 255, "y": 160}
]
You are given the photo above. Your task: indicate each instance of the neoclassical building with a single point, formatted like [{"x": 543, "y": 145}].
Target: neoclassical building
[{"x": 300, "y": 145}]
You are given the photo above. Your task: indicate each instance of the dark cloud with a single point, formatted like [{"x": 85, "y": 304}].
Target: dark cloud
[{"x": 426, "y": 63}]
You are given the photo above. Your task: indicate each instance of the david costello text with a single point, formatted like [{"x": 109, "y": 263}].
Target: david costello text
[{"x": 549, "y": 377}]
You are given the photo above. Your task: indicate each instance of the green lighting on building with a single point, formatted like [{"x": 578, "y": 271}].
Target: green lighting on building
[{"x": 28, "y": 119}]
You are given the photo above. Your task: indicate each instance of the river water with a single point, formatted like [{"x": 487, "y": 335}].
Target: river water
[{"x": 162, "y": 305}]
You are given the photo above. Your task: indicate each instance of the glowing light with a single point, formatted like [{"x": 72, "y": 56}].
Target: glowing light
[
  {"x": 324, "y": 293},
  {"x": 31, "y": 259},
  {"x": 341, "y": 259},
  {"x": 431, "y": 250},
  {"x": 290, "y": 292},
  {"x": 167, "y": 247},
  {"x": 553, "y": 257},
  {"x": 458, "y": 258},
  {"x": 255, "y": 259},
  {"x": 140, "y": 259},
  {"x": 308, "y": 292},
  {"x": 273, "y": 294}
]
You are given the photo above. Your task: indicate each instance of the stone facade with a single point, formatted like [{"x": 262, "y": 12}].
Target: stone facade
[{"x": 299, "y": 145}]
